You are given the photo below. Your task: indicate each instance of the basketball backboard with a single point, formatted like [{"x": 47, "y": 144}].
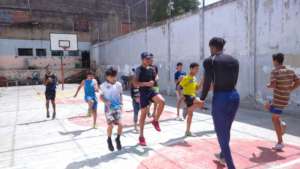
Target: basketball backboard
[{"x": 60, "y": 41}]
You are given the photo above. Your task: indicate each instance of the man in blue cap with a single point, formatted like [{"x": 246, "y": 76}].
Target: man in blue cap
[{"x": 145, "y": 77}]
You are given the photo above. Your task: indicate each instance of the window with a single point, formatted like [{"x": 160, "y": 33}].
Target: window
[
  {"x": 25, "y": 52},
  {"x": 41, "y": 52},
  {"x": 57, "y": 53},
  {"x": 73, "y": 53}
]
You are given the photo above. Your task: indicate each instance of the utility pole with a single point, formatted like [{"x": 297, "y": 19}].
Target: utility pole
[{"x": 202, "y": 34}]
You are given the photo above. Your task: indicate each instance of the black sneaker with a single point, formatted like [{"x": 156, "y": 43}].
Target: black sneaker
[
  {"x": 118, "y": 142},
  {"x": 48, "y": 115},
  {"x": 110, "y": 144},
  {"x": 53, "y": 115}
]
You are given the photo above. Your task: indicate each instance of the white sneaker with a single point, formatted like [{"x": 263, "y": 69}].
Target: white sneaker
[
  {"x": 178, "y": 118},
  {"x": 278, "y": 146},
  {"x": 221, "y": 160}
]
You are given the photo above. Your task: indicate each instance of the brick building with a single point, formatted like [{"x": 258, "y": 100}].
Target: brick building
[{"x": 25, "y": 26}]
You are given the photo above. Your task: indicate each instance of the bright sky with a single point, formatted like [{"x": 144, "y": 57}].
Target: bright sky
[{"x": 207, "y": 2}]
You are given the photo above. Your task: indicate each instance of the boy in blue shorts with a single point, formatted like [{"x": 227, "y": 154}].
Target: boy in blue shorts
[
  {"x": 111, "y": 95},
  {"x": 90, "y": 85},
  {"x": 283, "y": 81}
]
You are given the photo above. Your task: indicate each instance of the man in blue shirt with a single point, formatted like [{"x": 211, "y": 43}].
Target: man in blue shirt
[{"x": 179, "y": 74}]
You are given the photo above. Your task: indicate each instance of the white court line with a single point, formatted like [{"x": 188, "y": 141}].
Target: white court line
[{"x": 284, "y": 165}]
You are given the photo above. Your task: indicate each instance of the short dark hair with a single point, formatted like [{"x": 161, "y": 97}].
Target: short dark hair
[
  {"x": 278, "y": 57},
  {"x": 111, "y": 72},
  {"x": 217, "y": 42},
  {"x": 179, "y": 64},
  {"x": 89, "y": 73},
  {"x": 193, "y": 65}
]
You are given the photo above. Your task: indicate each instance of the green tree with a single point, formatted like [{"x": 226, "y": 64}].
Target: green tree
[{"x": 160, "y": 9}]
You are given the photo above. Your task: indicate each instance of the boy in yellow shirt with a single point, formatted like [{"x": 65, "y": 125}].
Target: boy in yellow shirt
[{"x": 190, "y": 87}]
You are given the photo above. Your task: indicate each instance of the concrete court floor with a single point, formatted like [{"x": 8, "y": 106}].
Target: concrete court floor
[{"x": 29, "y": 140}]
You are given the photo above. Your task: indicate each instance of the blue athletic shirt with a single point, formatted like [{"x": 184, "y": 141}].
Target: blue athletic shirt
[{"x": 89, "y": 89}]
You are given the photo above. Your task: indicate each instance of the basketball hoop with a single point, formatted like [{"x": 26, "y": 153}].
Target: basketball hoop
[{"x": 63, "y": 42}]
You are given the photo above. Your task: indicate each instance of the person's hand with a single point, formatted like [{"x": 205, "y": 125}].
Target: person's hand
[
  {"x": 150, "y": 84},
  {"x": 267, "y": 106},
  {"x": 201, "y": 104},
  {"x": 137, "y": 99},
  {"x": 270, "y": 85}
]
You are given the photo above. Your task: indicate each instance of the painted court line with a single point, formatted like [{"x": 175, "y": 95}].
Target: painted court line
[{"x": 285, "y": 165}]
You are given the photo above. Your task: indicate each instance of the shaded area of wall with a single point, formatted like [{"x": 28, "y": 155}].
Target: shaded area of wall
[
  {"x": 253, "y": 29},
  {"x": 23, "y": 74}
]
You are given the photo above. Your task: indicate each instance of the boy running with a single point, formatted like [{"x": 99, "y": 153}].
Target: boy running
[
  {"x": 283, "y": 81},
  {"x": 90, "y": 85},
  {"x": 190, "y": 88},
  {"x": 50, "y": 82},
  {"x": 179, "y": 74},
  {"x": 135, "y": 96},
  {"x": 145, "y": 77},
  {"x": 112, "y": 97}
]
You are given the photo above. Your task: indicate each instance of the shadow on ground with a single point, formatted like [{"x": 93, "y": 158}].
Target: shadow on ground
[{"x": 93, "y": 162}]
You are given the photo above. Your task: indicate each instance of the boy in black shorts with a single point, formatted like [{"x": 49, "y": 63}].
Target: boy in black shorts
[
  {"x": 145, "y": 79},
  {"x": 50, "y": 81},
  {"x": 190, "y": 87}
]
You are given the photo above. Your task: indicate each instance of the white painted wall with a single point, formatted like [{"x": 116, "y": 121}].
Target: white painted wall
[
  {"x": 9, "y": 58},
  {"x": 9, "y": 47}
]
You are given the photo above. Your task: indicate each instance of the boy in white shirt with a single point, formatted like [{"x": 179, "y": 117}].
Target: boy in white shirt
[{"x": 112, "y": 97}]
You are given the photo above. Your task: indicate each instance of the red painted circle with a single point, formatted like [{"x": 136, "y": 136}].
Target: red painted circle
[{"x": 199, "y": 154}]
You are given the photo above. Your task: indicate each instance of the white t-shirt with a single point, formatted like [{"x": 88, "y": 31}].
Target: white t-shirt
[{"x": 112, "y": 92}]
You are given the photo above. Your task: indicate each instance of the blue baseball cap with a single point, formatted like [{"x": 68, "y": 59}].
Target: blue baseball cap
[{"x": 146, "y": 55}]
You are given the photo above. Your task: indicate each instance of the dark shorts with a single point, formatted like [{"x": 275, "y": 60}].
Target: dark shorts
[
  {"x": 50, "y": 95},
  {"x": 146, "y": 97},
  {"x": 189, "y": 100},
  {"x": 275, "y": 110}
]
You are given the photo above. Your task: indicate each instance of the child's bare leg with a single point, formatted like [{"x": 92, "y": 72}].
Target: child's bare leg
[
  {"x": 277, "y": 126},
  {"x": 90, "y": 107},
  {"x": 53, "y": 106},
  {"x": 47, "y": 107},
  {"x": 154, "y": 109},
  {"x": 158, "y": 99},
  {"x": 120, "y": 128},
  {"x": 189, "y": 119},
  {"x": 144, "y": 112},
  {"x": 94, "y": 118},
  {"x": 109, "y": 130}
]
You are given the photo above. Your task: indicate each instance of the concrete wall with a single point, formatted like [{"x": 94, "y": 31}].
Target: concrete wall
[
  {"x": 253, "y": 29},
  {"x": 9, "y": 58}
]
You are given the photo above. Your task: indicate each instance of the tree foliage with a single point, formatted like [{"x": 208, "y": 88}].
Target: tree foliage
[{"x": 160, "y": 9}]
